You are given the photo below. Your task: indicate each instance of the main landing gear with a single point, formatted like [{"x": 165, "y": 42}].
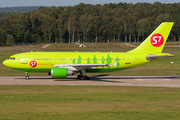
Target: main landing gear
[
  {"x": 83, "y": 75},
  {"x": 27, "y": 77}
]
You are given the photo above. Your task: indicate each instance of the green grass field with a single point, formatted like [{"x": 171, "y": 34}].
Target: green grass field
[{"x": 89, "y": 102}]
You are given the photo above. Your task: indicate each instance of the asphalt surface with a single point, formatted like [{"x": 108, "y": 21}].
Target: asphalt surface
[{"x": 157, "y": 81}]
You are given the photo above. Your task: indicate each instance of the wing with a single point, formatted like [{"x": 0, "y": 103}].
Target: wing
[
  {"x": 77, "y": 67},
  {"x": 81, "y": 65}
]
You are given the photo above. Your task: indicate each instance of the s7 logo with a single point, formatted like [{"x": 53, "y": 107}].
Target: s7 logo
[
  {"x": 33, "y": 63},
  {"x": 157, "y": 40}
]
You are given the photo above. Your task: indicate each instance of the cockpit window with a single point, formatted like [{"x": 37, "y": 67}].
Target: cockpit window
[{"x": 11, "y": 58}]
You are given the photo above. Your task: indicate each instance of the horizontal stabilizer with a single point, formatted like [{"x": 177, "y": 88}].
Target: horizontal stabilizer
[{"x": 152, "y": 57}]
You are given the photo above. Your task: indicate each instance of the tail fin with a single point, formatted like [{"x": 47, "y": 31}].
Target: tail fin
[{"x": 155, "y": 42}]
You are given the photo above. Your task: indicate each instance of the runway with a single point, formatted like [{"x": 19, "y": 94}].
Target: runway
[{"x": 157, "y": 81}]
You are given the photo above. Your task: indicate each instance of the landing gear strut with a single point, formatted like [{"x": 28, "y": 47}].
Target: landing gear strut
[
  {"x": 83, "y": 75},
  {"x": 27, "y": 77}
]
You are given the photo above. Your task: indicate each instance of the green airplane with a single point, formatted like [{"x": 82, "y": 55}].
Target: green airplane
[{"x": 63, "y": 64}]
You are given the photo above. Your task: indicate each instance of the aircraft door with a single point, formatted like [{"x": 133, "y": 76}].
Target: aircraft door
[
  {"x": 24, "y": 59},
  {"x": 128, "y": 59},
  {"x": 68, "y": 60}
]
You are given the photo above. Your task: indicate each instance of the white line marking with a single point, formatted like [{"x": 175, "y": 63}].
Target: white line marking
[{"x": 167, "y": 80}]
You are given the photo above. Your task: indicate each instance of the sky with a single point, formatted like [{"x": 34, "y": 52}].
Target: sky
[{"x": 16, "y": 3}]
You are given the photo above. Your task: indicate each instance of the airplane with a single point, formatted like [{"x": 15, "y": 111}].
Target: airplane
[{"x": 63, "y": 64}]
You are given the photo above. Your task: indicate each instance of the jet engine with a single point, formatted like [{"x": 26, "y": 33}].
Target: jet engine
[{"x": 57, "y": 72}]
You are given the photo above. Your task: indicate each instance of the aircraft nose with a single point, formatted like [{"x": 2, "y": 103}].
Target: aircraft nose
[{"x": 5, "y": 62}]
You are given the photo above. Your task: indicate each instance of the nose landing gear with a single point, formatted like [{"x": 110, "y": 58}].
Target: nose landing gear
[{"x": 27, "y": 77}]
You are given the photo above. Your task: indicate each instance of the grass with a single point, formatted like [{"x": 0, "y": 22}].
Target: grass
[
  {"x": 90, "y": 47},
  {"x": 89, "y": 102},
  {"x": 162, "y": 67}
]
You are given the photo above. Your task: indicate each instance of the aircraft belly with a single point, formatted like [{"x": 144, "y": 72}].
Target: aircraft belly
[
  {"x": 34, "y": 69},
  {"x": 104, "y": 70}
]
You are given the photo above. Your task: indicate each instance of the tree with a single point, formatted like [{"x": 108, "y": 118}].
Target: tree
[
  {"x": 22, "y": 29},
  {"x": 35, "y": 29},
  {"x": 60, "y": 30},
  {"x": 96, "y": 25},
  {"x": 143, "y": 28},
  {"x": 162, "y": 18},
  {"x": 117, "y": 28},
  {"x": 86, "y": 25},
  {"x": 9, "y": 24},
  {"x": 131, "y": 21},
  {"x": 90, "y": 22},
  {"x": 74, "y": 18},
  {"x": 47, "y": 28},
  {"x": 2, "y": 38},
  {"x": 69, "y": 29},
  {"x": 106, "y": 27},
  {"x": 97, "y": 20},
  {"x": 10, "y": 39}
]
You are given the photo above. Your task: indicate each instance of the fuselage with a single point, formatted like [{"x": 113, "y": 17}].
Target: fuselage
[{"x": 44, "y": 61}]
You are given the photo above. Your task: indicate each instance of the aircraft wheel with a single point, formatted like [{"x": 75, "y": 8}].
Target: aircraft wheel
[
  {"x": 86, "y": 78},
  {"x": 78, "y": 76},
  {"x": 27, "y": 77},
  {"x": 82, "y": 78}
]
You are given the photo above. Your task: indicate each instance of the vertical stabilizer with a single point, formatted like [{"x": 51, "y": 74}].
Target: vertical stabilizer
[{"x": 155, "y": 42}]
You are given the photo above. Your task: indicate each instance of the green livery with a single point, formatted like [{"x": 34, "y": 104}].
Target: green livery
[{"x": 63, "y": 64}]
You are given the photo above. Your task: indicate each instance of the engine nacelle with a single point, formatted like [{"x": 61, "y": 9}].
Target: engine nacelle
[{"x": 60, "y": 72}]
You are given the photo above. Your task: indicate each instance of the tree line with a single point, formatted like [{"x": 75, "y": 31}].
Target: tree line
[
  {"x": 121, "y": 22},
  {"x": 19, "y": 9}
]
